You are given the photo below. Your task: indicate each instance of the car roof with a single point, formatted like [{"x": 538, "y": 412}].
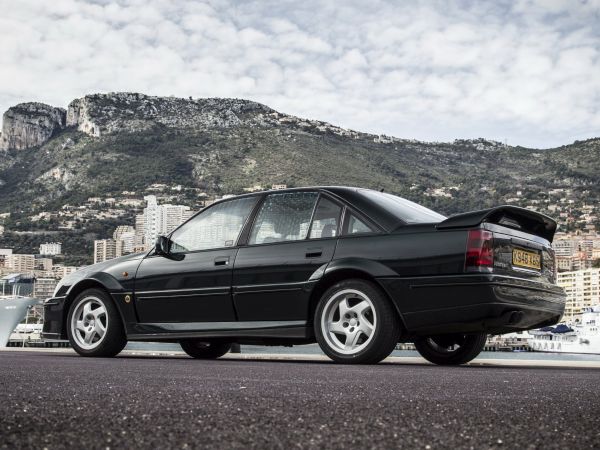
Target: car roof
[{"x": 347, "y": 194}]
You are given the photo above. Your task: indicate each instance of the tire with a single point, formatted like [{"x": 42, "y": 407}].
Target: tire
[
  {"x": 205, "y": 349},
  {"x": 355, "y": 323},
  {"x": 94, "y": 326},
  {"x": 451, "y": 349}
]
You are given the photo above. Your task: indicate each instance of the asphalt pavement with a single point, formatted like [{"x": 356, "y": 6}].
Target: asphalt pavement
[{"x": 60, "y": 400}]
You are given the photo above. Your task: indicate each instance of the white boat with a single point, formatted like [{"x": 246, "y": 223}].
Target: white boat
[
  {"x": 582, "y": 337},
  {"x": 13, "y": 310}
]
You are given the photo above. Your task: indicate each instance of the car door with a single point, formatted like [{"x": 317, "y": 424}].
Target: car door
[
  {"x": 193, "y": 282},
  {"x": 271, "y": 276}
]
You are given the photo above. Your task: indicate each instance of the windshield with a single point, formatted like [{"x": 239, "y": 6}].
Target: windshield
[{"x": 405, "y": 210}]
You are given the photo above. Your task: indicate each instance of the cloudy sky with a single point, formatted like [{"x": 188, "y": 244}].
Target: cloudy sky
[{"x": 523, "y": 71}]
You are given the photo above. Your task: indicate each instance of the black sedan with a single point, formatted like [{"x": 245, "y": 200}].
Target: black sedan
[{"x": 353, "y": 269}]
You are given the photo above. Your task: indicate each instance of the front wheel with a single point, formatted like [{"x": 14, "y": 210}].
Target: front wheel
[
  {"x": 204, "y": 349},
  {"x": 94, "y": 325},
  {"x": 355, "y": 323},
  {"x": 451, "y": 349}
]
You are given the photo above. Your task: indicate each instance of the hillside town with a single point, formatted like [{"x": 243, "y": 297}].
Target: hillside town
[
  {"x": 147, "y": 215},
  {"x": 42, "y": 271}
]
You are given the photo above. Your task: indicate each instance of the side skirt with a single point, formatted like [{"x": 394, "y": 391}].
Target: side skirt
[{"x": 284, "y": 330}]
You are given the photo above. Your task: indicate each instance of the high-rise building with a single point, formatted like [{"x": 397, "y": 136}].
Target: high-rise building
[
  {"x": 124, "y": 235},
  {"x": 127, "y": 241},
  {"x": 171, "y": 216},
  {"x": 140, "y": 232},
  {"x": 120, "y": 230},
  {"x": 105, "y": 249},
  {"x": 20, "y": 263},
  {"x": 583, "y": 290},
  {"x": 151, "y": 219},
  {"x": 162, "y": 219},
  {"x": 51, "y": 248}
]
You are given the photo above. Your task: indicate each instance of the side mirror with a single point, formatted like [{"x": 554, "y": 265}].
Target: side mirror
[{"x": 163, "y": 243}]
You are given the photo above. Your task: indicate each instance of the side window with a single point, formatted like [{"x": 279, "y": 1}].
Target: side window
[
  {"x": 357, "y": 226},
  {"x": 283, "y": 217},
  {"x": 218, "y": 226},
  {"x": 326, "y": 220}
]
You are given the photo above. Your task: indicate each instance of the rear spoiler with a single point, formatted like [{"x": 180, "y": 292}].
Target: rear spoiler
[{"x": 509, "y": 216}]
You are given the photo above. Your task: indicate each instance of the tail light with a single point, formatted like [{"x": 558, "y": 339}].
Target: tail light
[{"x": 480, "y": 251}]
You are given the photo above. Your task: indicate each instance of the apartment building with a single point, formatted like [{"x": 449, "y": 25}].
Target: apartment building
[
  {"x": 20, "y": 263},
  {"x": 105, "y": 249},
  {"x": 576, "y": 252},
  {"x": 124, "y": 235},
  {"x": 51, "y": 248},
  {"x": 583, "y": 290},
  {"x": 161, "y": 219},
  {"x": 44, "y": 287}
]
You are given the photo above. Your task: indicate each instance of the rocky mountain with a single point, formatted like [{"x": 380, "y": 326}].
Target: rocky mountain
[
  {"x": 29, "y": 125},
  {"x": 101, "y": 114},
  {"x": 107, "y": 144}
]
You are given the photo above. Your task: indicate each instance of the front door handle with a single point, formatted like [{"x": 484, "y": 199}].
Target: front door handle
[
  {"x": 314, "y": 252},
  {"x": 222, "y": 261}
]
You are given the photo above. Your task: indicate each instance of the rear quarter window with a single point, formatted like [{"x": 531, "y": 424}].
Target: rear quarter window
[
  {"x": 357, "y": 226},
  {"x": 407, "y": 211}
]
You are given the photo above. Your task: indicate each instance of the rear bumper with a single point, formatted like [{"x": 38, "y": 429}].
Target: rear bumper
[
  {"x": 474, "y": 303},
  {"x": 53, "y": 318}
]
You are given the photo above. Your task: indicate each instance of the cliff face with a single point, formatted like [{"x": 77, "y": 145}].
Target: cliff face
[
  {"x": 30, "y": 124},
  {"x": 101, "y": 114},
  {"x": 98, "y": 115}
]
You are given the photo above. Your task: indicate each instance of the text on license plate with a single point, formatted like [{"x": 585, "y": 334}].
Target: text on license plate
[{"x": 524, "y": 258}]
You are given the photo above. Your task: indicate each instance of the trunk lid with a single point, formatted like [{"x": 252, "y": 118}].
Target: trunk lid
[
  {"x": 522, "y": 254},
  {"x": 520, "y": 241}
]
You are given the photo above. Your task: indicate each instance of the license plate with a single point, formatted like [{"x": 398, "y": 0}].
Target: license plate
[{"x": 527, "y": 259}]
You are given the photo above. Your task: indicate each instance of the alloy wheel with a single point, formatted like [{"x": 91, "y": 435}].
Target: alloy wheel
[
  {"x": 348, "y": 321},
  {"x": 89, "y": 322}
]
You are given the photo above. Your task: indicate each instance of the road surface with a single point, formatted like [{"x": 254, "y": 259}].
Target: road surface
[{"x": 52, "y": 400}]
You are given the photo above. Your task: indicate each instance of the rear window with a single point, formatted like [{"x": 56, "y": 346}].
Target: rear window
[{"x": 405, "y": 210}]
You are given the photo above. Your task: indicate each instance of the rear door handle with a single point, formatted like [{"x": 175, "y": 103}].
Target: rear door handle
[
  {"x": 314, "y": 252},
  {"x": 222, "y": 261}
]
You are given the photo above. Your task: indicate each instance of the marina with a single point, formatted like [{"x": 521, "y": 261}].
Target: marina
[{"x": 582, "y": 337}]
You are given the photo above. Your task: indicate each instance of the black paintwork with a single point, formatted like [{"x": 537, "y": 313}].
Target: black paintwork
[{"x": 268, "y": 292}]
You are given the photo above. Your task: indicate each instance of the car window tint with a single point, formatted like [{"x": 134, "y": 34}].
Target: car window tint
[
  {"x": 357, "y": 226},
  {"x": 405, "y": 210},
  {"x": 326, "y": 220},
  {"x": 218, "y": 226},
  {"x": 283, "y": 217}
]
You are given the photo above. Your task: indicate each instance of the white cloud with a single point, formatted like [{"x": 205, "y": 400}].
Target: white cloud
[{"x": 527, "y": 71}]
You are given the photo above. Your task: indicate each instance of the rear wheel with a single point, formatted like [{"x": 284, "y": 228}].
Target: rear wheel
[
  {"x": 205, "y": 349},
  {"x": 355, "y": 323},
  {"x": 94, "y": 326},
  {"x": 451, "y": 349}
]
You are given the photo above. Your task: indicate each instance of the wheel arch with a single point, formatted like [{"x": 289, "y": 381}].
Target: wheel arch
[
  {"x": 85, "y": 284},
  {"x": 351, "y": 269}
]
